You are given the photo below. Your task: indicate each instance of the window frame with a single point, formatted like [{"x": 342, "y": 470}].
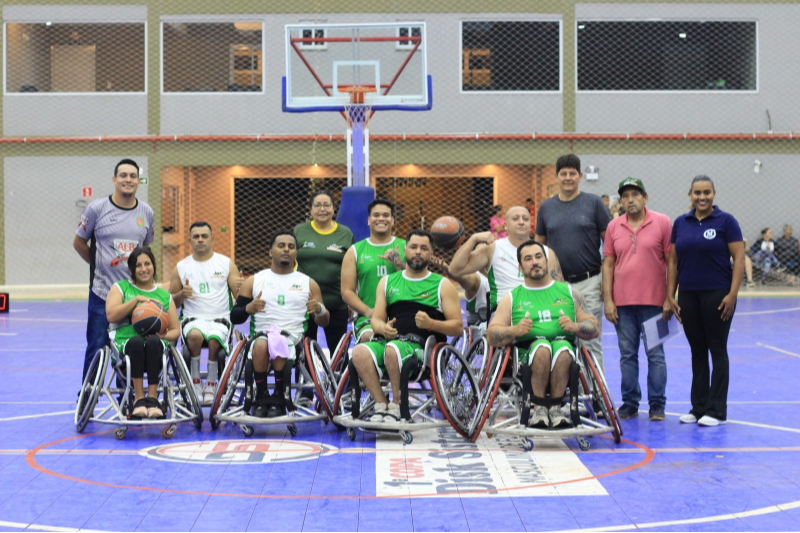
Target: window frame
[
  {"x": 506, "y": 19},
  {"x": 410, "y": 46},
  {"x": 216, "y": 20},
  {"x": 313, "y": 47},
  {"x": 95, "y": 93},
  {"x": 661, "y": 91}
]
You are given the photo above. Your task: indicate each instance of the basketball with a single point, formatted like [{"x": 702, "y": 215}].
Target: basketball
[
  {"x": 149, "y": 318},
  {"x": 447, "y": 233}
]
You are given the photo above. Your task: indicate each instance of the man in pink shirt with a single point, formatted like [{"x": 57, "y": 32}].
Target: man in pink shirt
[{"x": 635, "y": 289}]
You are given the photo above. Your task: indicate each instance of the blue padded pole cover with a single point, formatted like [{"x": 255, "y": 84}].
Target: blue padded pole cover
[{"x": 353, "y": 210}]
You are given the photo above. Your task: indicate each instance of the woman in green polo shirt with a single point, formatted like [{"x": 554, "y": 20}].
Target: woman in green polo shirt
[
  {"x": 144, "y": 352},
  {"x": 321, "y": 245}
]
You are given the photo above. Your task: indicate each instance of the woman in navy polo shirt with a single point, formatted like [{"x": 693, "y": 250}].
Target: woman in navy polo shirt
[{"x": 703, "y": 241}]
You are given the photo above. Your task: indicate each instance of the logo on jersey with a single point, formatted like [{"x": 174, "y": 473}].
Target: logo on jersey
[
  {"x": 218, "y": 275},
  {"x": 251, "y": 452},
  {"x": 425, "y": 295},
  {"x": 392, "y": 291},
  {"x": 335, "y": 248},
  {"x": 710, "y": 233},
  {"x": 140, "y": 222},
  {"x": 123, "y": 249},
  {"x": 307, "y": 244},
  {"x": 296, "y": 287},
  {"x": 560, "y": 301}
]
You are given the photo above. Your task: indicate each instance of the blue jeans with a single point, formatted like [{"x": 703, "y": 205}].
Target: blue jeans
[
  {"x": 96, "y": 330},
  {"x": 629, "y": 330}
]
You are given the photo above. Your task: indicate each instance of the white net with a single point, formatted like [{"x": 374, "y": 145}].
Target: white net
[{"x": 660, "y": 92}]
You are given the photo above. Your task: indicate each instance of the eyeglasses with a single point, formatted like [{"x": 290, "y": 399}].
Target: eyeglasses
[
  {"x": 325, "y": 205},
  {"x": 633, "y": 238}
]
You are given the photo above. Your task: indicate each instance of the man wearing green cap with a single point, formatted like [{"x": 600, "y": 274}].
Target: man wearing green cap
[{"x": 635, "y": 290}]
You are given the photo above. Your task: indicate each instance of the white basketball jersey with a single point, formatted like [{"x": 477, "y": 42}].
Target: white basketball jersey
[
  {"x": 286, "y": 296},
  {"x": 477, "y": 305},
  {"x": 504, "y": 274},
  {"x": 211, "y": 296}
]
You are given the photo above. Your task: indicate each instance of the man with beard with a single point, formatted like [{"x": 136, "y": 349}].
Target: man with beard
[
  {"x": 284, "y": 299},
  {"x": 543, "y": 317},
  {"x": 410, "y": 305}
]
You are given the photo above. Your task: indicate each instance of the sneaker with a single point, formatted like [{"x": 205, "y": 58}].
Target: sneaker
[
  {"x": 657, "y": 413},
  {"x": 209, "y": 391},
  {"x": 558, "y": 420},
  {"x": 198, "y": 389},
  {"x": 710, "y": 421},
  {"x": 261, "y": 406},
  {"x": 540, "y": 418},
  {"x": 688, "y": 418},
  {"x": 751, "y": 284},
  {"x": 392, "y": 413},
  {"x": 380, "y": 410},
  {"x": 626, "y": 411},
  {"x": 275, "y": 411}
]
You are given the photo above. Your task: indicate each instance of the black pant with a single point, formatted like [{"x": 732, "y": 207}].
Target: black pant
[
  {"x": 145, "y": 353},
  {"x": 334, "y": 331},
  {"x": 706, "y": 331}
]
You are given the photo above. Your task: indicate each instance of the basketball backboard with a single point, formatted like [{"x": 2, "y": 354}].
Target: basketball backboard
[{"x": 321, "y": 59}]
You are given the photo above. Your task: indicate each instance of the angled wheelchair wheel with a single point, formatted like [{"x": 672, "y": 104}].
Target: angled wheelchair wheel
[
  {"x": 184, "y": 387},
  {"x": 455, "y": 387},
  {"x": 340, "y": 357},
  {"x": 478, "y": 355},
  {"x": 343, "y": 403},
  {"x": 602, "y": 394},
  {"x": 319, "y": 368},
  {"x": 90, "y": 389},
  {"x": 463, "y": 342},
  {"x": 227, "y": 386},
  {"x": 495, "y": 370}
]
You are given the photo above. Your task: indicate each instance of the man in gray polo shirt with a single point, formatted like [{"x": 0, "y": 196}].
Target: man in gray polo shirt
[
  {"x": 109, "y": 230},
  {"x": 572, "y": 223}
]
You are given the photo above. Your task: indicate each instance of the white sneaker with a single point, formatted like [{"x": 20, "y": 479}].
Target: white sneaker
[
  {"x": 209, "y": 392},
  {"x": 540, "y": 419},
  {"x": 198, "y": 389},
  {"x": 688, "y": 418},
  {"x": 380, "y": 410},
  {"x": 393, "y": 412},
  {"x": 557, "y": 419},
  {"x": 710, "y": 421}
]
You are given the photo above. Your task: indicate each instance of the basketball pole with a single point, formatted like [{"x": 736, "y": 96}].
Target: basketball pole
[{"x": 357, "y": 196}]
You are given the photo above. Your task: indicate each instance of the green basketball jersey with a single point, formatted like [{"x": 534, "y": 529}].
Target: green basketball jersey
[
  {"x": 406, "y": 296},
  {"x": 129, "y": 292},
  {"x": 544, "y": 306},
  {"x": 370, "y": 268}
]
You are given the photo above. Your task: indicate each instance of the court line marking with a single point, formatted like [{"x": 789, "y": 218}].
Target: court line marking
[
  {"x": 45, "y": 403},
  {"x": 8, "y": 334},
  {"x": 30, "y": 458},
  {"x": 778, "y": 349},
  {"x": 753, "y": 424},
  {"x": 37, "y": 416},
  {"x": 46, "y": 320},
  {"x": 769, "y": 312},
  {"x": 37, "y": 527},
  {"x": 718, "y": 518}
]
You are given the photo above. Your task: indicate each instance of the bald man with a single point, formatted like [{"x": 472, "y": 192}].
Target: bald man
[{"x": 499, "y": 256}]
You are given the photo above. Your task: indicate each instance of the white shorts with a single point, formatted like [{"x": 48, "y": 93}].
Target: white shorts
[{"x": 209, "y": 329}]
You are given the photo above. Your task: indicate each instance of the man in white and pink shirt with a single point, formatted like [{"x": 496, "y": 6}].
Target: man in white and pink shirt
[{"x": 635, "y": 289}]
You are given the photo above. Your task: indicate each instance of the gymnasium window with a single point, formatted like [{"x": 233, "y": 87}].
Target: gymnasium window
[
  {"x": 510, "y": 56},
  {"x": 212, "y": 57},
  {"x": 54, "y": 57},
  {"x": 667, "y": 56}
]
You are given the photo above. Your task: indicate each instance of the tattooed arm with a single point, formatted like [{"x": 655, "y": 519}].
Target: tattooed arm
[
  {"x": 585, "y": 325},
  {"x": 554, "y": 265},
  {"x": 500, "y": 331},
  {"x": 393, "y": 256}
]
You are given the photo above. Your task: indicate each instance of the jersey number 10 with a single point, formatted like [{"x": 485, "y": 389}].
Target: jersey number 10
[{"x": 382, "y": 271}]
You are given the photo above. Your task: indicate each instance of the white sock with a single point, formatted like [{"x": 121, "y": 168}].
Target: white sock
[
  {"x": 194, "y": 367},
  {"x": 213, "y": 372}
]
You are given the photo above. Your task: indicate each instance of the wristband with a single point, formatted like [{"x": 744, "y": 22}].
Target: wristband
[
  {"x": 430, "y": 328},
  {"x": 322, "y": 310}
]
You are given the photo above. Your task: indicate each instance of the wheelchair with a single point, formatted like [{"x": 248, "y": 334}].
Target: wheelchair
[
  {"x": 231, "y": 402},
  {"x": 505, "y": 398},
  {"x": 175, "y": 386},
  {"x": 233, "y": 336},
  {"x": 442, "y": 363}
]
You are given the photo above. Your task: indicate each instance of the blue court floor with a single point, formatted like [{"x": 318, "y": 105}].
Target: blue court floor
[{"x": 663, "y": 477}]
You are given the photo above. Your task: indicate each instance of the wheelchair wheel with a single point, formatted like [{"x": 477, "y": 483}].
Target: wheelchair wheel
[
  {"x": 227, "y": 386},
  {"x": 90, "y": 390},
  {"x": 455, "y": 388},
  {"x": 496, "y": 368},
  {"x": 340, "y": 358},
  {"x": 343, "y": 403},
  {"x": 598, "y": 384},
  {"x": 319, "y": 368},
  {"x": 478, "y": 355},
  {"x": 463, "y": 342},
  {"x": 183, "y": 384}
]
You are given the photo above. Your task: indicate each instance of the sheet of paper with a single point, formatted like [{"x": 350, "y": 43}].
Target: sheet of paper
[{"x": 656, "y": 331}]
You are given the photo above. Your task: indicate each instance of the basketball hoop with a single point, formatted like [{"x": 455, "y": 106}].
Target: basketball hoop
[{"x": 357, "y": 103}]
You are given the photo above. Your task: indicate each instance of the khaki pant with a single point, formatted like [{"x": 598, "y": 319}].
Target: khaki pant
[{"x": 590, "y": 289}]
